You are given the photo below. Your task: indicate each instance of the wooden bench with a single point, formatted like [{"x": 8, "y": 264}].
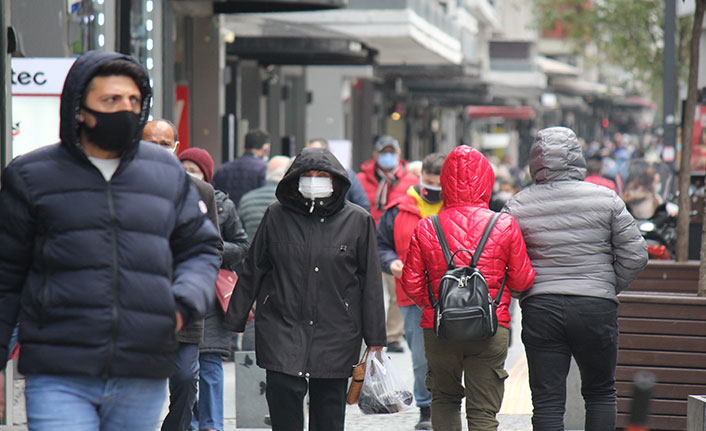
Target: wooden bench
[
  {"x": 667, "y": 277},
  {"x": 665, "y": 334}
]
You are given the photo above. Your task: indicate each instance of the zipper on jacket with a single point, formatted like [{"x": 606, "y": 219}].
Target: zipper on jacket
[
  {"x": 309, "y": 262},
  {"x": 114, "y": 311},
  {"x": 44, "y": 292}
]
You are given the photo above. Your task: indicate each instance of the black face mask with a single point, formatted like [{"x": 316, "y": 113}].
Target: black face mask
[
  {"x": 429, "y": 195},
  {"x": 113, "y": 132}
]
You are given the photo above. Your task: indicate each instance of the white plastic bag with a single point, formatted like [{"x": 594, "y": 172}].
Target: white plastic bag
[{"x": 382, "y": 391}]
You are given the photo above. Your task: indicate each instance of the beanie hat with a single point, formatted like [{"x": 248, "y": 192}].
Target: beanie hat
[{"x": 201, "y": 158}]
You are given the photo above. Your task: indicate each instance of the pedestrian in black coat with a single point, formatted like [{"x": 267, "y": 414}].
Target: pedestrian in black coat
[{"x": 313, "y": 268}]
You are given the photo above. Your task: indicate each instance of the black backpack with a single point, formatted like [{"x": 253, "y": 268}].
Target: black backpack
[{"x": 464, "y": 310}]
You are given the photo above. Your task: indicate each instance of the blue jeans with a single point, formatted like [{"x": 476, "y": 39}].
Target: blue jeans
[
  {"x": 73, "y": 403},
  {"x": 412, "y": 315},
  {"x": 557, "y": 327},
  {"x": 208, "y": 409}
]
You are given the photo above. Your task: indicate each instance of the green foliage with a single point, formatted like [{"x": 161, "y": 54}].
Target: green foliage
[{"x": 625, "y": 33}]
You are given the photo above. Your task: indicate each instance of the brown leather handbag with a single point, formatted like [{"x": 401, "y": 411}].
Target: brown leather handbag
[{"x": 357, "y": 379}]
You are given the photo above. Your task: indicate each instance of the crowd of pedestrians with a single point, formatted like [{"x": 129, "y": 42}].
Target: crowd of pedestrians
[{"x": 112, "y": 246}]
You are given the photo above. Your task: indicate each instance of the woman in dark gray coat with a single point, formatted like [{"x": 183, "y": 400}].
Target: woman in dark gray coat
[
  {"x": 585, "y": 248},
  {"x": 313, "y": 268}
]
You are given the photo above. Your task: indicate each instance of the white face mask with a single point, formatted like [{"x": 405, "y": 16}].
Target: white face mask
[
  {"x": 197, "y": 176},
  {"x": 315, "y": 187}
]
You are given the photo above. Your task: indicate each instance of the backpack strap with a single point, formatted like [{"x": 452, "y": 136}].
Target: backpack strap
[
  {"x": 432, "y": 300},
  {"x": 442, "y": 240},
  {"x": 479, "y": 250},
  {"x": 484, "y": 239},
  {"x": 499, "y": 296}
]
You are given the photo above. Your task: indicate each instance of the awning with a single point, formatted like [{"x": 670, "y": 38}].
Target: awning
[
  {"x": 553, "y": 67},
  {"x": 634, "y": 102},
  {"x": 442, "y": 84},
  {"x": 239, "y": 6},
  {"x": 510, "y": 112},
  {"x": 583, "y": 87},
  {"x": 277, "y": 42}
]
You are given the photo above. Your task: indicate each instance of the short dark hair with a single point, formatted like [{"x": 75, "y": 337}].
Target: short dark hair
[
  {"x": 432, "y": 163},
  {"x": 594, "y": 166},
  {"x": 256, "y": 139},
  {"x": 122, "y": 67},
  {"x": 324, "y": 142}
]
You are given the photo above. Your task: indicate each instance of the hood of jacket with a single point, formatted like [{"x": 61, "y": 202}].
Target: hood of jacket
[
  {"x": 467, "y": 178},
  {"x": 556, "y": 155},
  {"x": 316, "y": 159},
  {"x": 80, "y": 74}
]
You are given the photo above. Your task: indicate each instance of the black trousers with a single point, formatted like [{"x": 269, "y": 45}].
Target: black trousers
[
  {"x": 285, "y": 399},
  {"x": 182, "y": 388},
  {"x": 557, "y": 327}
]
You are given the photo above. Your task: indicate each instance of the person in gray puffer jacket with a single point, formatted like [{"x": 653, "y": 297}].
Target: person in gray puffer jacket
[{"x": 585, "y": 248}]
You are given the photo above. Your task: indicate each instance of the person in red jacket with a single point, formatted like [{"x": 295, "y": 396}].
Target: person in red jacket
[
  {"x": 385, "y": 176},
  {"x": 384, "y": 179},
  {"x": 466, "y": 182},
  {"x": 594, "y": 168},
  {"x": 394, "y": 233}
]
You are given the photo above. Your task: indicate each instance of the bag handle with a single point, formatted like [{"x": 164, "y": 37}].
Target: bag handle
[{"x": 364, "y": 357}]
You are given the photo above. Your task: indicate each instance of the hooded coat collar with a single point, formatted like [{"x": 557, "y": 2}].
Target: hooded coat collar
[
  {"x": 320, "y": 160},
  {"x": 467, "y": 178},
  {"x": 80, "y": 74},
  {"x": 556, "y": 155}
]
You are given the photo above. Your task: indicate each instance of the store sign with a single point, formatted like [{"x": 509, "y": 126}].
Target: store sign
[
  {"x": 39, "y": 75},
  {"x": 36, "y": 98}
]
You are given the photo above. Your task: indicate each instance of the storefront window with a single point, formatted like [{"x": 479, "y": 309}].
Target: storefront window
[
  {"x": 145, "y": 43},
  {"x": 88, "y": 20},
  {"x": 142, "y": 31}
]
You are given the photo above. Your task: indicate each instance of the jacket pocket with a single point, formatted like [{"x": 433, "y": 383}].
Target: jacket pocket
[{"x": 350, "y": 315}]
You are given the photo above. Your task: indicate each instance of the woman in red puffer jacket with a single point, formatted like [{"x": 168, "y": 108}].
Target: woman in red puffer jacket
[{"x": 467, "y": 183}]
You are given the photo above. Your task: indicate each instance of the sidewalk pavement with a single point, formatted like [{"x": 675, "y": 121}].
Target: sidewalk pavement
[{"x": 515, "y": 413}]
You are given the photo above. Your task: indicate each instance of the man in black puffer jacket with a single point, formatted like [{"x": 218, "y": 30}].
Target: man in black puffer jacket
[{"x": 105, "y": 253}]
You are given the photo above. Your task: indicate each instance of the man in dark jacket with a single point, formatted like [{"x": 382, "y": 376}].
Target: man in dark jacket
[
  {"x": 394, "y": 234},
  {"x": 355, "y": 193},
  {"x": 586, "y": 248},
  {"x": 183, "y": 383},
  {"x": 313, "y": 269},
  {"x": 105, "y": 253},
  {"x": 254, "y": 203},
  {"x": 216, "y": 344},
  {"x": 247, "y": 172},
  {"x": 385, "y": 178}
]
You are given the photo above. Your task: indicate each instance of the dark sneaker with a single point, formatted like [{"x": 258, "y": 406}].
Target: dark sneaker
[
  {"x": 424, "y": 419},
  {"x": 395, "y": 347}
]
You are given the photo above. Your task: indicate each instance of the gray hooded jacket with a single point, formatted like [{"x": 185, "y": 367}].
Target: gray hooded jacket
[{"x": 580, "y": 238}]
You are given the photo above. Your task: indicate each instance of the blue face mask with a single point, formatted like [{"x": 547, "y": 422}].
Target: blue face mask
[{"x": 388, "y": 160}]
